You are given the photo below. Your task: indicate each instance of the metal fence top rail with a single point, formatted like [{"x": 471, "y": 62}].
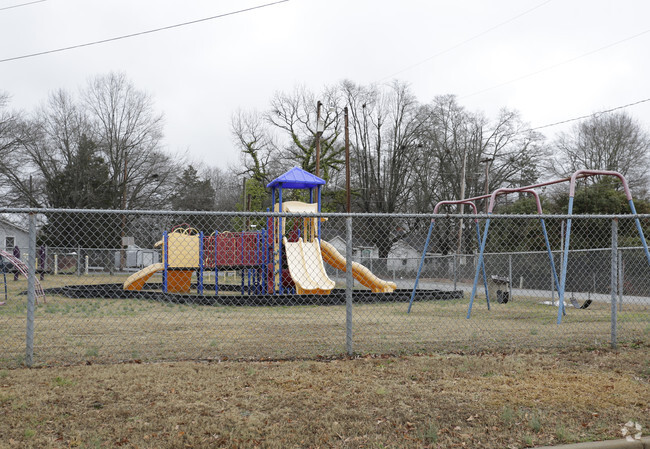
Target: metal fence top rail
[
  {"x": 320, "y": 214},
  {"x": 527, "y": 253}
]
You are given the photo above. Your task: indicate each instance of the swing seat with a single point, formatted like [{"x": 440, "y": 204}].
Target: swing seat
[{"x": 584, "y": 305}]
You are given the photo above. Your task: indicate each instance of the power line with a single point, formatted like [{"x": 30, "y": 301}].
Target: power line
[
  {"x": 562, "y": 122},
  {"x": 545, "y": 69},
  {"x": 155, "y": 30},
  {"x": 22, "y": 4},
  {"x": 453, "y": 47},
  {"x": 595, "y": 114}
]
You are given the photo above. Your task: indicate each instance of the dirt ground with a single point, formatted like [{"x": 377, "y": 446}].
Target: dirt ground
[{"x": 491, "y": 400}]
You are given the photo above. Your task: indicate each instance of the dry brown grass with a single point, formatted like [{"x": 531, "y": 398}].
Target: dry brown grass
[
  {"x": 470, "y": 387},
  {"x": 492, "y": 400}
]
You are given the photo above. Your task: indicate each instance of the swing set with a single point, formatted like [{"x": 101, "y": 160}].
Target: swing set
[{"x": 560, "y": 282}]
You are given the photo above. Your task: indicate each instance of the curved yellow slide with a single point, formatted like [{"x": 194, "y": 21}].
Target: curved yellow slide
[
  {"x": 306, "y": 268},
  {"x": 360, "y": 272},
  {"x": 137, "y": 280}
]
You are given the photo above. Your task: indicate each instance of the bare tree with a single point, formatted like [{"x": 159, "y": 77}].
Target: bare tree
[
  {"x": 461, "y": 142},
  {"x": 456, "y": 145},
  {"x": 46, "y": 145},
  {"x": 406, "y": 156},
  {"x": 129, "y": 132},
  {"x": 612, "y": 141},
  {"x": 294, "y": 115},
  {"x": 386, "y": 128},
  {"x": 515, "y": 152},
  {"x": 386, "y": 124},
  {"x": 8, "y": 122},
  {"x": 14, "y": 133},
  {"x": 257, "y": 147},
  {"x": 447, "y": 141},
  {"x": 226, "y": 187}
]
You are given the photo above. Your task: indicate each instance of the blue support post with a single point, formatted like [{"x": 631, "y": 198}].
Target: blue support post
[
  {"x": 258, "y": 262},
  {"x": 265, "y": 255},
  {"x": 638, "y": 227},
  {"x": 165, "y": 262},
  {"x": 424, "y": 253},
  {"x": 485, "y": 280},
  {"x": 199, "y": 280},
  {"x": 241, "y": 262},
  {"x": 550, "y": 255},
  {"x": 273, "y": 222},
  {"x": 479, "y": 264},
  {"x": 280, "y": 240}
]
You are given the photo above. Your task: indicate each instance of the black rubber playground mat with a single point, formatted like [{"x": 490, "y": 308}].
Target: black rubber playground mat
[{"x": 336, "y": 297}]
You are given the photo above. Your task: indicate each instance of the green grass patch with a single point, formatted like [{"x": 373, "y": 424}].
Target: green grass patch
[{"x": 60, "y": 381}]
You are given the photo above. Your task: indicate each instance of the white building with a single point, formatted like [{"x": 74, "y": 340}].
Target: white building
[
  {"x": 402, "y": 257},
  {"x": 13, "y": 235}
]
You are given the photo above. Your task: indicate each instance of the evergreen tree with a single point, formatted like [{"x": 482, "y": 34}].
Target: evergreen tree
[
  {"x": 191, "y": 192},
  {"x": 81, "y": 184}
]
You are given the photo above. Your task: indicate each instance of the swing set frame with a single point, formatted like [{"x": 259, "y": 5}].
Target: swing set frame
[{"x": 561, "y": 282}]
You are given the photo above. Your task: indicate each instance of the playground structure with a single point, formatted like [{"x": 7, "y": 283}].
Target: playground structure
[
  {"x": 276, "y": 260},
  {"x": 187, "y": 251},
  {"x": 560, "y": 282}
]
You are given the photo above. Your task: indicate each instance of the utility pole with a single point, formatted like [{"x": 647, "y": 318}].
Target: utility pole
[{"x": 487, "y": 161}]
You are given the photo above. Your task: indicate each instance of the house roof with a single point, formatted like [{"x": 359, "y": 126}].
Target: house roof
[
  {"x": 296, "y": 178},
  {"x": 5, "y": 222}
]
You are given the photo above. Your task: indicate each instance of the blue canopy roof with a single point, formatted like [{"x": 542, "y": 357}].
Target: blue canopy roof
[{"x": 296, "y": 178}]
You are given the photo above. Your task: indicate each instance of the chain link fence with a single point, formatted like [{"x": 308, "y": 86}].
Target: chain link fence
[{"x": 112, "y": 286}]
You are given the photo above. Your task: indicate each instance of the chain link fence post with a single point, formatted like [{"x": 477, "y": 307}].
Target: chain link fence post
[
  {"x": 348, "y": 285},
  {"x": 614, "y": 279},
  {"x": 621, "y": 279},
  {"x": 31, "y": 291}
]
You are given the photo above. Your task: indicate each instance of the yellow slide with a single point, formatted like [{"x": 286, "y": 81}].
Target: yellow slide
[
  {"x": 360, "y": 273},
  {"x": 178, "y": 281},
  {"x": 137, "y": 280},
  {"x": 306, "y": 268}
]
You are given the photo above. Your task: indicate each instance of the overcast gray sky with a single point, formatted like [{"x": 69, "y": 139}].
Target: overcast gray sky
[{"x": 552, "y": 60}]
